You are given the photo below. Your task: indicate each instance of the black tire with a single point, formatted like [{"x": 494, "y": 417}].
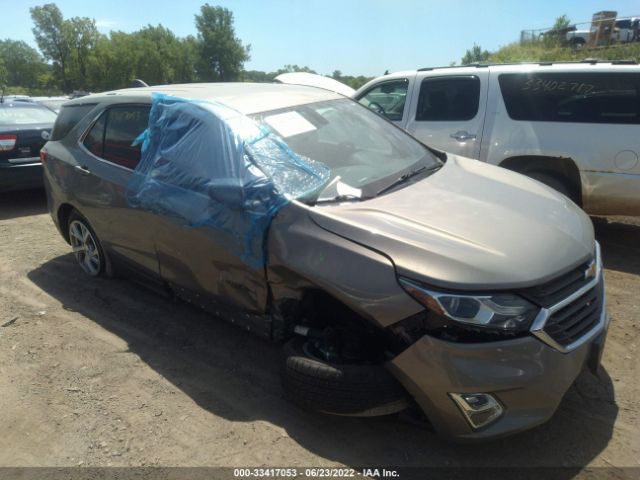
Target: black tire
[
  {"x": 95, "y": 266},
  {"x": 353, "y": 390},
  {"x": 553, "y": 182}
]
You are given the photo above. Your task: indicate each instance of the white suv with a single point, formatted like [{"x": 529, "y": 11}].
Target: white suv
[{"x": 573, "y": 126}]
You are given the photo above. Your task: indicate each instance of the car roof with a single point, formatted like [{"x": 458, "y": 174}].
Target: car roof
[
  {"x": 247, "y": 98},
  {"x": 521, "y": 67}
]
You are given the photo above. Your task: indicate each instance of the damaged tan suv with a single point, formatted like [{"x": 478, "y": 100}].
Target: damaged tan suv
[{"x": 392, "y": 273}]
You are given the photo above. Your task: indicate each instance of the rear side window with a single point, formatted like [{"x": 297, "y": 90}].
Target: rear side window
[
  {"x": 448, "y": 99},
  {"x": 113, "y": 134},
  {"x": 94, "y": 141},
  {"x": 598, "y": 97},
  {"x": 68, "y": 118},
  {"x": 387, "y": 98}
]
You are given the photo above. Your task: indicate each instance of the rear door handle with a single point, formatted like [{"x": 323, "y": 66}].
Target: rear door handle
[
  {"x": 82, "y": 169},
  {"x": 463, "y": 136}
]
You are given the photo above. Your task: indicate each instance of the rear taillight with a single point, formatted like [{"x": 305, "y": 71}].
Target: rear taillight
[
  {"x": 7, "y": 142},
  {"x": 43, "y": 156}
]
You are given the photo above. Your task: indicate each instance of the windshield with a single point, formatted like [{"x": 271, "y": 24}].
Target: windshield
[
  {"x": 364, "y": 150},
  {"x": 12, "y": 114}
]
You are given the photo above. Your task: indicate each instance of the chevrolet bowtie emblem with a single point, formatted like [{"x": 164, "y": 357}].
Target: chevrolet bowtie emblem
[{"x": 591, "y": 271}]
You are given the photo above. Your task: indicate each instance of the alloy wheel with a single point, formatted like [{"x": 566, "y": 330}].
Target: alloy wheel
[{"x": 85, "y": 248}]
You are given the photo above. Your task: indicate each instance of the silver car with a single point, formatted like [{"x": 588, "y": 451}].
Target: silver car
[{"x": 393, "y": 274}]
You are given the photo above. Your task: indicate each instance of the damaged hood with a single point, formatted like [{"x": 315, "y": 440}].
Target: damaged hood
[{"x": 469, "y": 226}]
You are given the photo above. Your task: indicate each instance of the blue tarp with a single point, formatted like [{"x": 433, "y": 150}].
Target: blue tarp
[{"x": 207, "y": 165}]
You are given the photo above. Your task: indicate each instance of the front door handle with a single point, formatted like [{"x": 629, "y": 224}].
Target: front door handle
[
  {"x": 82, "y": 169},
  {"x": 463, "y": 136}
]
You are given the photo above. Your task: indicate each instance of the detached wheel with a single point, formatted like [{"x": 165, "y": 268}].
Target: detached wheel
[
  {"x": 354, "y": 390},
  {"x": 86, "y": 246},
  {"x": 553, "y": 182}
]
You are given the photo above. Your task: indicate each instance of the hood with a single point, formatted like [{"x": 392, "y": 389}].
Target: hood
[
  {"x": 314, "y": 80},
  {"x": 469, "y": 226}
]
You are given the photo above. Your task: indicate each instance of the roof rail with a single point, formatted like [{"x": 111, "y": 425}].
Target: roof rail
[{"x": 591, "y": 61}]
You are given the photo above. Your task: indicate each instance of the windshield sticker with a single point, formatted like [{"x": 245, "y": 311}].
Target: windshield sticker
[{"x": 289, "y": 124}]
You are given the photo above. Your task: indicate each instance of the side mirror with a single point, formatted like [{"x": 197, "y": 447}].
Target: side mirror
[{"x": 227, "y": 192}]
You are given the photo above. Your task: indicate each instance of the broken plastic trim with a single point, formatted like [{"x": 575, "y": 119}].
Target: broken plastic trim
[{"x": 207, "y": 165}]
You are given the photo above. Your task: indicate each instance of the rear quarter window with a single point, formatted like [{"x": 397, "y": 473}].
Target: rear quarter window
[
  {"x": 598, "y": 97},
  {"x": 68, "y": 118},
  {"x": 124, "y": 124}
]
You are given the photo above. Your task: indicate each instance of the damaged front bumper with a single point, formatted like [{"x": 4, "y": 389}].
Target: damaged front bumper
[{"x": 527, "y": 377}]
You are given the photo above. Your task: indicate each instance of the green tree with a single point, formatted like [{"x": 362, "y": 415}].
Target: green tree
[
  {"x": 3, "y": 74},
  {"x": 222, "y": 54},
  {"x": 112, "y": 63},
  {"x": 294, "y": 68},
  {"x": 23, "y": 64},
  {"x": 52, "y": 37},
  {"x": 353, "y": 82},
  {"x": 82, "y": 36},
  {"x": 475, "y": 55},
  {"x": 561, "y": 23},
  {"x": 258, "y": 76},
  {"x": 153, "y": 54},
  {"x": 168, "y": 59}
]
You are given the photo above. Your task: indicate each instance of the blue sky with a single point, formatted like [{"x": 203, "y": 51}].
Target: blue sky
[{"x": 358, "y": 37}]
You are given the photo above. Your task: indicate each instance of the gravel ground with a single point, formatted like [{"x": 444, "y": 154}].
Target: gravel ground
[{"x": 99, "y": 372}]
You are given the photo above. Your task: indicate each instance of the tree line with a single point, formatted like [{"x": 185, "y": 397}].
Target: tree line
[{"x": 73, "y": 55}]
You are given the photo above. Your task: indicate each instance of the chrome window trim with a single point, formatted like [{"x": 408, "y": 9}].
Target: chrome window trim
[{"x": 537, "y": 327}]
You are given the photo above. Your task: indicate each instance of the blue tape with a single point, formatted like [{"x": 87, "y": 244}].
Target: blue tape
[{"x": 206, "y": 165}]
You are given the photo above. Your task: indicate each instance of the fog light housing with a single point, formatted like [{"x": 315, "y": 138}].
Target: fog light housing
[{"x": 480, "y": 409}]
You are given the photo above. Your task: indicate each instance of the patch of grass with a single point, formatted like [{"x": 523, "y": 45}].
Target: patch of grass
[{"x": 547, "y": 52}]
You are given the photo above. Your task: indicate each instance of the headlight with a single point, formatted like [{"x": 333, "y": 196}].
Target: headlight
[{"x": 504, "y": 312}]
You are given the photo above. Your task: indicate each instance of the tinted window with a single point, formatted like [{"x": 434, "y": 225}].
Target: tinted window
[
  {"x": 123, "y": 126},
  {"x": 68, "y": 118},
  {"x": 623, "y": 24},
  {"x": 598, "y": 97},
  {"x": 387, "y": 98},
  {"x": 94, "y": 140},
  {"x": 448, "y": 99},
  {"x": 22, "y": 113}
]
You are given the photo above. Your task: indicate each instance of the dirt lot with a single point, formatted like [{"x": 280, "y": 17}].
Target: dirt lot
[{"x": 100, "y": 372}]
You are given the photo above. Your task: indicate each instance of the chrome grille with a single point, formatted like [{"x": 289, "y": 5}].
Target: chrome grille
[
  {"x": 573, "y": 306},
  {"x": 571, "y": 322},
  {"x": 550, "y": 293}
]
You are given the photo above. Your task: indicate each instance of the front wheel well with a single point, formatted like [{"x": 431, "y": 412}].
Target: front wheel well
[
  {"x": 319, "y": 315},
  {"x": 564, "y": 169}
]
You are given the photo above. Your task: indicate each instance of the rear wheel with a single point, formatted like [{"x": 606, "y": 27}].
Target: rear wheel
[
  {"x": 351, "y": 389},
  {"x": 86, "y": 246}
]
